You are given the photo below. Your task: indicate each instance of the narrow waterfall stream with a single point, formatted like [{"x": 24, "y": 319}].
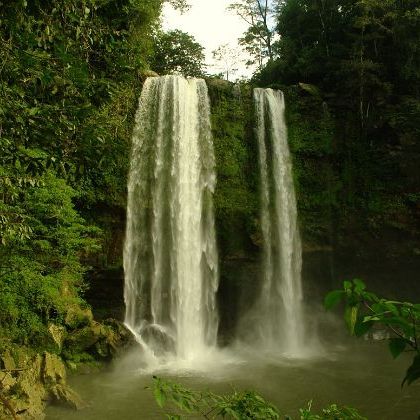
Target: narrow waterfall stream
[
  {"x": 170, "y": 255},
  {"x": 278, "y": 314}
]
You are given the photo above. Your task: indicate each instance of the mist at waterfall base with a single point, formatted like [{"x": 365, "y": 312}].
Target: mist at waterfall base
[{"x": 176, "y": 322}]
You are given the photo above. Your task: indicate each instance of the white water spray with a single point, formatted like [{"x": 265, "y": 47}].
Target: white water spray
[
  {"x": 278, "y": 314},
  {"x": 170, "y": 255}
]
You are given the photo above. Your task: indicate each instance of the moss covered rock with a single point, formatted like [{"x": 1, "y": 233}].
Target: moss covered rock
[
  {"x": 57, "y": 334},
  {"x": 64, "y": 395},
  {"x": 7, "y": 361},
  {"x": 33, "y": 381},
  {"x": 77, "y": 317},
  {"x": 84, "y": 338},
  {"x": 53, "y": 370},
  {"x": 99, "y": 340},
  {"x": 29, "y": 392},
  {"x": 148, "y": 73},
  {"x": 236, "y": 196}
]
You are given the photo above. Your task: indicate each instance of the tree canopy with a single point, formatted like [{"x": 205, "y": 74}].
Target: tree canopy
[
  {"x": 362, "y": 60},
  {"x": 258, "y": 39},
  {"x": 177, "y": 52}
]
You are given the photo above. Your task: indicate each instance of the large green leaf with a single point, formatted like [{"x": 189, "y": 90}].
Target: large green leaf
[
  {"x": 362, "y": 327},
  {"x": 359, "y": 285},
  {"x": 413, "y": 372},
  {"x": 397, "y": 346},
  {"x": 160, "y": 396},
  {"x": 350, "y": 317},
  {"x": 333, "y": 298}
]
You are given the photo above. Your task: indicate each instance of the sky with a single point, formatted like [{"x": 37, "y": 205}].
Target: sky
[{"x": 211, "y": 25}]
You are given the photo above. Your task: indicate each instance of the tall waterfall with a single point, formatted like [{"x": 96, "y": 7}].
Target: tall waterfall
[
  {"x": 278, "y": 312},
  {"x": 170, "y": 255}
]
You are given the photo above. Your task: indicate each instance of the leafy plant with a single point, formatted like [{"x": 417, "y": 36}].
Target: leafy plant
[
  {"x": 364, "y": 310},
  {"x": 333, "y": 412},
  {"x": 245, "y": 405},
  {"x": 237, "y": 405},
  {"x": 41, "y": 271}
]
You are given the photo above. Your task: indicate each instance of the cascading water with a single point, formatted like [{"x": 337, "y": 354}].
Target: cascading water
[
  {"x": 170, "y": 255},
  {"x": 278, "y": 314}
]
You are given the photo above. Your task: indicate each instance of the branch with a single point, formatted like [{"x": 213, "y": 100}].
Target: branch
[{"x": 396, "y": 332}]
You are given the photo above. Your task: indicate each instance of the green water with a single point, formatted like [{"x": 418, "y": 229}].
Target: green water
[{"x": 361, "y": 374}]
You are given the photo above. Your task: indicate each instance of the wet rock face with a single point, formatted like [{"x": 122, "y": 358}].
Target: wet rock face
[
  {"x": 119, "y": 337},
  {"x": 102, "y": 341},
  {"x": 158, "y": 340},
  {"x": 53, "y": 370},
  {"x": 29, "y": 380},
  {"x": 63, "y": 394},
  {"x": 32, "y": 382}
]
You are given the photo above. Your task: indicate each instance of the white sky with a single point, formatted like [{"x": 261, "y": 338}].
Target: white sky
[{"x": 211, "y": 25}]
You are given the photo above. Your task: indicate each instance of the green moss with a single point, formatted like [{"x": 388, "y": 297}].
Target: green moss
[
  {"x": 236, "y": 195},
  {"x": 311, "y": 140},
  {"x": 81, "y": 357}
]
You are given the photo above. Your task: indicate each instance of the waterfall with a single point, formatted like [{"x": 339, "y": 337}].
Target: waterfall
[
  {"x": 278, "y": 314},
  {"x": 170, "y": 255}
]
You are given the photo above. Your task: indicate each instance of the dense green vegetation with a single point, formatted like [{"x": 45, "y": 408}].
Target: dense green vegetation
[
  {"x": 67, "y": 97},
  {"x": 359, "y": 61},
  {"x": 70, "y": 75},
  {"x": 177, "y": 51},
  {"x": 41, "y": 272},
  {"x": 311, "y": 139},
  {"x": 236, "y": 197}
]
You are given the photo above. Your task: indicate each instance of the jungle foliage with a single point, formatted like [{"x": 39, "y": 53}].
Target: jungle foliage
[
  {"x": 177, "y": 52},
  {"x": 41, "y": 273},
  {"x": 69, "y": 81},
  {"x": 359, "y": 61}
]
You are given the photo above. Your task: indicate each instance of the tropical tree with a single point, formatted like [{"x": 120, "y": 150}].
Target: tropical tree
[
  {"x": 228, "y": 59},
  {"x": 258, "y": 38},
  {"x": 181, "y": 5},
  {"x": 178, "y": 52}
]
